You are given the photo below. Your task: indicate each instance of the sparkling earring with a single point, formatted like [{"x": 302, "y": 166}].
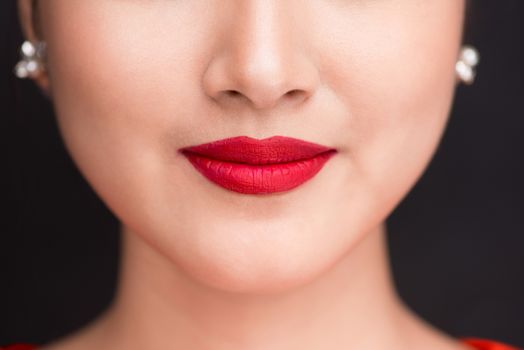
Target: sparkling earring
[
  {"x": 31, "y": 63},
  {"x": 465, "y": 67}
]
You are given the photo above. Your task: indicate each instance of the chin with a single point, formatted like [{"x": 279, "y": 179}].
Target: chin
[
  {"x": 253, "y": 278},
  {"x": 255, "y": 258}
]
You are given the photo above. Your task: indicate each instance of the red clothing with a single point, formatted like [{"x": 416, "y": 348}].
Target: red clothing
[
  {"x": 485, "y": 344},
  {"x": 476, "y": 343}
]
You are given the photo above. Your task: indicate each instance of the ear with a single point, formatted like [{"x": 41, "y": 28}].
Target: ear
[{"x": 29, "y": 22}]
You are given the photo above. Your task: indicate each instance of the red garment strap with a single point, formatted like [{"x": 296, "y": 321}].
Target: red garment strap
[{"x": 486, "y": 344}]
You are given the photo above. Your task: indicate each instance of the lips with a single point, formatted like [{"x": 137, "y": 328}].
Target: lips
[{"x": 250, "y": 166}]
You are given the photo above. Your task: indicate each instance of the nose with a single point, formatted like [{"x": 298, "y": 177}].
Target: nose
[{"x": 262, "y": 61}]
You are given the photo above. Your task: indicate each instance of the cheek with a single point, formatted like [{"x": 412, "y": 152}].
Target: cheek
[
  {"x": 396, "y": 78},
  {"x": 121, "y": 77},
  {"x": 119, "y": 64}
]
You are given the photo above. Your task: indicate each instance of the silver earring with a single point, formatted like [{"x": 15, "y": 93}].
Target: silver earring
[
  {"x": 31, "y": 63},
  {"x": 466, "y": 64}
]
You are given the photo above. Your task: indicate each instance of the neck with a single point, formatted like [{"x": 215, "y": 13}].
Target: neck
[{"x": 353, "y": 306}]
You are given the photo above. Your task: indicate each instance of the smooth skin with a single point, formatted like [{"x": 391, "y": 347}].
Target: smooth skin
[{"x": 132, "y": 81}]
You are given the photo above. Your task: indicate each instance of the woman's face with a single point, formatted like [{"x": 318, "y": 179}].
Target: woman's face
[{"x": 133, "y": 81}]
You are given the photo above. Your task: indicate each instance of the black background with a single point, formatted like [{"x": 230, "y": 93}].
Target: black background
[{"x": 456, "y": 241}]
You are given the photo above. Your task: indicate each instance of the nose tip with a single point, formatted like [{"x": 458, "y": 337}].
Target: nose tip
[{"x": 262, "y": 85}]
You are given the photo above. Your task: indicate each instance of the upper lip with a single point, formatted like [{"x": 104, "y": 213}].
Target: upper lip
[{"x": 244, "y": 149}]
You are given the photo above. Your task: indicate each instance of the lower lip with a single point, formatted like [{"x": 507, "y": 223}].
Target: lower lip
[{"x": 259, "y": 179}]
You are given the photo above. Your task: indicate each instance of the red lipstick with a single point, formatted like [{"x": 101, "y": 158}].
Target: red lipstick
[{"x": 251, "y": 166}]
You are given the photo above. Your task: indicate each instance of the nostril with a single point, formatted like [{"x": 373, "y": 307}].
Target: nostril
[
  {"x": 296, "y": 95},
  {"x": 232, "y": 93},
  {"x": 293, "y": 92}
]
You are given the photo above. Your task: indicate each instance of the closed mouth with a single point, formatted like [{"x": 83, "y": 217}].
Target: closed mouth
[{"x": 246, "y": 165}]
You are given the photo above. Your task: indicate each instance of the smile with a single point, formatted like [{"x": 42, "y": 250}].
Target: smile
[{"x": 246, "y": 165}]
